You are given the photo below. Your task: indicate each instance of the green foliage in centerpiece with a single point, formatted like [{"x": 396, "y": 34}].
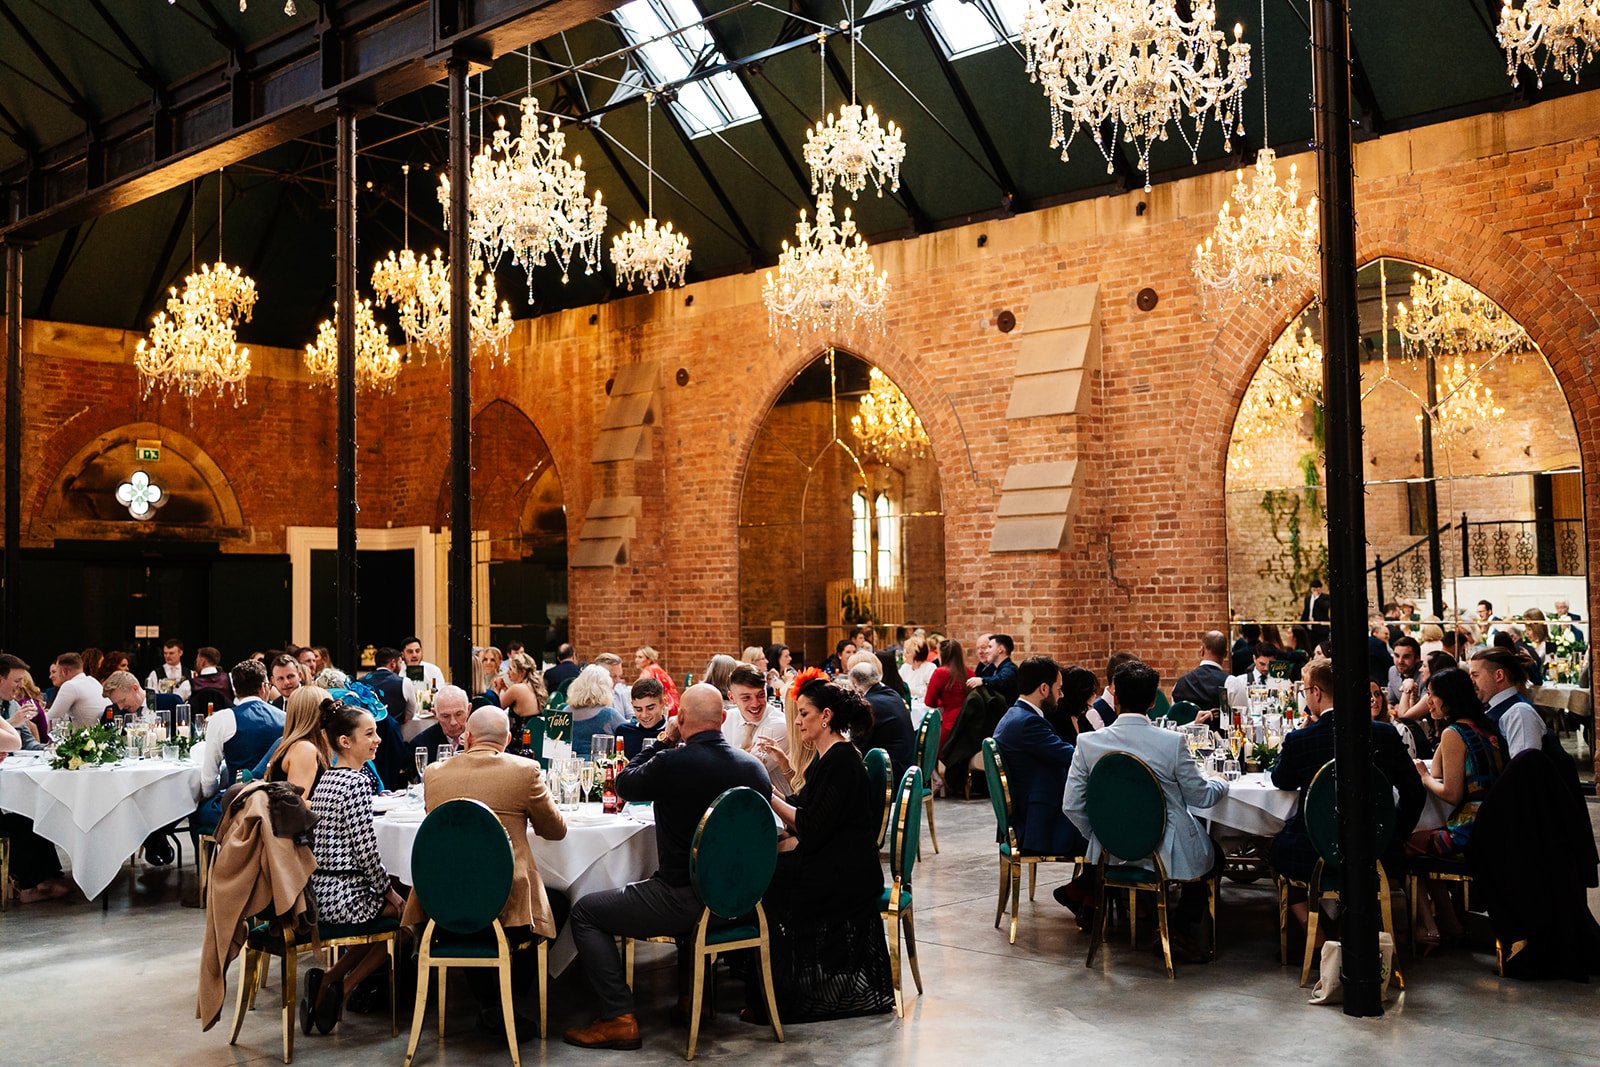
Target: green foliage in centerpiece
[
  {"x": 87, "y": 747},
  {"x": 1264, "y": 755}
]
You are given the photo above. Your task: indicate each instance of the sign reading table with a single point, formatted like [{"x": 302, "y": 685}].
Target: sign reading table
[
  {"x": 599, "y": 852},
  {"x": 99, "y": 815}
]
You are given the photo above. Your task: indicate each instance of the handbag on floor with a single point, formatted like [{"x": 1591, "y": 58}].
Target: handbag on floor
[{"x": 1329, "y": 989}]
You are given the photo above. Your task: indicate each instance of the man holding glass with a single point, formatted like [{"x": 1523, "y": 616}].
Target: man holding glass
[{"x": 450, "y": 711}]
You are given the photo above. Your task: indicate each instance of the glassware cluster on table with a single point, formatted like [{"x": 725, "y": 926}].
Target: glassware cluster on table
[
  {"x": 151, "y": 733},
  {"x": 1220, "y": 747},
  {"x": 585, "y": 780}
]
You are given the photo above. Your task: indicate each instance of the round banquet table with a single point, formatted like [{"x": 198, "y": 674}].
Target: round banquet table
[
  {"x": 1256, "y": 807},
  {"x": 599, "y": 852},
  {"x": 1571, "y": 698},
  {"x": 99, "y": 815}
]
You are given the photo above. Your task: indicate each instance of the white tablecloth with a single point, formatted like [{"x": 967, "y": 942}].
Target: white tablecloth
[
  {"x": 606, "y": 853},
  {"x": 1257, "y": 807},
  {"x": 1573, "y": 698},
  {"x": 99, "y": 815}
]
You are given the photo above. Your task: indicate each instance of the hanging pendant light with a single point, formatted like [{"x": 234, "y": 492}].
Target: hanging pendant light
[
  {"x": 851, "y": 148},
  {"x": 377, "y": 363},
  {"x": 1540, "y": 34},
  {"x": 652, "y": 254}
]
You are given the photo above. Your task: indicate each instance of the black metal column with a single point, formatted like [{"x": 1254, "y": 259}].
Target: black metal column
[
  {"x": 1347, "y": 539},
  {"x": 11, "y": 608},
  {"x": 1431, "y": 494},
  {"x": 347, "y": 599},
  {"x": 460, "y": 567}
]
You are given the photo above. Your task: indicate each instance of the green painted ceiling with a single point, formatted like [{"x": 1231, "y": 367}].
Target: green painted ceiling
[{"x": 1420, "y": 61}]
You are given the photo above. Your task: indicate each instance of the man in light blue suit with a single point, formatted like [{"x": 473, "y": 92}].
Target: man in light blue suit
[{"x": 1186, "y": 852}]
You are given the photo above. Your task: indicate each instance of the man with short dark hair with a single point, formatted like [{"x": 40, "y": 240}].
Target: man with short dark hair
[
  {"x": 1317, "y": 609},
  {"x": 1498, "y": 674},
  {"x": 557, "y": 678},
  {"x": 1186, "y": 852},
  {"x": 1036, "y": 762},
  {"x": 753, "y": 717},
  {"x": 170, "y": 677},
  {"x": 237, "y": 737},
  {"x": 649, "y": 716},
  {"x": 1380, "y": 658},
  {"x": 1002, "y": 676},
  {"x": 1244, "y": 649},
  {"x": 79, "y": 696},
  {"x": 891, "y": 719},
  {"x": 286, "y": 676},
  {"x": 411, "y": 652},
  {"x": 1103, "y": 712},
  {"x": 209, "y": 689},
  {"x": 1205, "y": 686},
  {"x": 396, "y": 691},
  {"x": 1407, "y": 667}
]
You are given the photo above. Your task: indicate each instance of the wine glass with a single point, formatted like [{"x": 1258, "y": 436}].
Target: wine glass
[
  {"x": 567, "y": 780},
  {"x": 421, "y": 756},
  {"x": 586, "y": 771}
]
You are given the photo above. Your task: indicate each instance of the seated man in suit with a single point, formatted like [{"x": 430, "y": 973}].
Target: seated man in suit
[
  {"x": 514, "y": 790},
  {"x": 682, "y": 771},
  {"x": 1103, "y": 712},
  {"x": 1205, "y": 686},
  {"x": 1002, "y": 673},
  {"x": 891, "y": 719},
  {"x": 1305, "y": 751},
  {"x": 1036, "y": 762},
  {"x": 1186, "y": 852},
  {"x": 450, "y": 710}
]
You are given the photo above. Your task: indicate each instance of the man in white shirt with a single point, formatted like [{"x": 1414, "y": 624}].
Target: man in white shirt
[
  {"x": 753, "y": 717},
  {"x": 1498, "y": 674},
  {"x": 170, "y": 677},
  {"x": 411, "y": 652},
  {"x": 79, "y": 697},
  {"x": 238, "y": 737}
]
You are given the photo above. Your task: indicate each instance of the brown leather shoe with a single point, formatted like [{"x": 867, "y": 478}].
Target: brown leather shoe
[{"x": 621, "y": 1032}]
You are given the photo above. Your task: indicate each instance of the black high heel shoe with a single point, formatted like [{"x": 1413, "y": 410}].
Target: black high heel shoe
[{"x": 308, "y": 1003}]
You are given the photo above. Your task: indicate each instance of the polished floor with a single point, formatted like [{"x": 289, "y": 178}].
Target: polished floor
[{"x": 82, "y": 987}]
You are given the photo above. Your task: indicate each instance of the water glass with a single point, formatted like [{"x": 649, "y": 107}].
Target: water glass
[
  {"x": 1230, "y": 769},
  {"x": 169, "y": 753}
]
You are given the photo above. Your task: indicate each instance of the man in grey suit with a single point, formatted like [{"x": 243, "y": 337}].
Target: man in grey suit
[{"x": 1186, "y": 852}]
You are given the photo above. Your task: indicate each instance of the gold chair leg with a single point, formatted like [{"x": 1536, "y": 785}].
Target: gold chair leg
[
  {"x": 627, "y": 959},
  {"x": 508, "y": 1010},
  {"x": 1097, "y": 929},
  {"x": 1313, "y": 906},
  {"x": 544, "y": 988},
  {"x": 444, "y": 974},
  {"x": 1216, "y": 887},
  {"x": 1133, "y": 919},
  {"x": 1283, "y": 921},
  {"x": 5, "y": 871},
  {"x": 1411, "y": 913},
  {"x": 911, "y": 949},
  {"x": 1161, "y": 922},
  {"x": 772, "y": 996},
  {"x": 1033, "y": 880},
  {"x": 290, "y": 961},
  {"x": 892, "y": 930},
  {"x": 1385, "y": 905},
  {"x": 263, "y": 961},
  {"x": 1005, "y": 884},
  {"x": 247, "y": 993},
  {"x": 927, "y": 806},
  {"x": 394, "y": 962},
  {"x": 424, "y": 976},
  {"x": 1016, "y": 895},
  {"x": 695, "y": 1001}
]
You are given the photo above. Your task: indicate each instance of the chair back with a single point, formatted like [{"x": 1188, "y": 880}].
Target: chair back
[
  {"x": 928, "y": 741},
  {"x": 877, "y": 763},
  {"x": 1126, "y": 810},
  {"x": 1182, "y": 712},
  {"x": 906, "y": 827},
  {"x": 557, "y": 701},
  {"x": 994, "y": 772},
  {"x": 1162, "y": 708},
  {"x": 461, "y": 866},
  {"x": 534, "y": 728},
  {"x": 734, "y": 853},
  {"x": 1322, "y": 813},
  {"x": 558, "y": 724}
]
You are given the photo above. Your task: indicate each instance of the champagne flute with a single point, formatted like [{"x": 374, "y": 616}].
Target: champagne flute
[
  {"x": 586, "y": 777},
  {"x": 422, "y": 760}
]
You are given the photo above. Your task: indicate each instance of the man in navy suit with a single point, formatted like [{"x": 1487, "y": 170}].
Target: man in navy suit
[
  {"x": 1205, "y": 686},
  {"x": 1036, "y": 763}
]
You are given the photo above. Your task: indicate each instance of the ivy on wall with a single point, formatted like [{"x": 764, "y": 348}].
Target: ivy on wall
[{"x": 1294, "y": 515}]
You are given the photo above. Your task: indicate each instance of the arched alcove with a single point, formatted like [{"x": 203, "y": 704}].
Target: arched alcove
[{"x": 835, "y": 526}]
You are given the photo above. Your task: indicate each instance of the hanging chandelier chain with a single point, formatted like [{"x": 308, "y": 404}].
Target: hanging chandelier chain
[
  {"x": 1266, "y": 140},
  {"x": 651, "y": 254}
]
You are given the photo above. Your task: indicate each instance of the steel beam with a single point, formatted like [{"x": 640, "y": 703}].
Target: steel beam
[
  {"x": 267, "y": 93},
  {"x": 460, "y": 564},
  {"x": 347, "y": 599},
  {"x": 11, "y": 605}
]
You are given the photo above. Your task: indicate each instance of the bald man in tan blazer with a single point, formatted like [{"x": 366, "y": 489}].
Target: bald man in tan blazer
[{"x": 514, "y": 789}]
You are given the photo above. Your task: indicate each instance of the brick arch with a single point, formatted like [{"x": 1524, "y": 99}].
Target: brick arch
[{"x": 510, "y": 459}]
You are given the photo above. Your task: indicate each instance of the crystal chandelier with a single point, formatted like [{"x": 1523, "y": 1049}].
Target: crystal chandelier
[
  {"x": 1129, "y": 69},
  {"x": 652, "y": 254},
  {"x": 1540, "y": 33},
  {"x": 1449, "y": 317},
  {"x": 1465, "y": 402},
  {"x": 886, "y": 424},
  {"x": 826, "y": 280},
  {"x": 1288, "y": 386},
  {"x": 851, "y": 148},
  {"x": 289, "y": 7},
  {"x": 1257, "y": 255},
  {"x": 528, "y": 201},
  {"x": 377, "y": 363}
]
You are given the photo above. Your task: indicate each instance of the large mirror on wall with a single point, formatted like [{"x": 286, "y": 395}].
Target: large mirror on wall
[
  {"x": 841, "y": 520},
  {"x": 1474, "y": 485}
]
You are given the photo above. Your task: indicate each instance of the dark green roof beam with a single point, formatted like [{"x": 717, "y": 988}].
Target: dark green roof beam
[{"x": 1012, "y": 201}]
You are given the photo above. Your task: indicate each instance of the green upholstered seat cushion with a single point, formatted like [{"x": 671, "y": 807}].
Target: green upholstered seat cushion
[
  {"x": 1116, "y": 875},
  {"x": 461, "y": 866},
  {"x": 905, "y": 898},
  {"x": 1125, "y": 806},
  {"x": 735, "y": 852}
]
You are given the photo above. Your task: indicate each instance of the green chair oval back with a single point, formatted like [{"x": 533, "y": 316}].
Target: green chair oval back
[
  {"x": 1162, "y": 707},
  {"x": 877, "y": 763},
  {"x": 1183, "y": 712},
  {"x": 906, "y": 826},
  {"x": 534, "y": 728},
  {"x": 1126, "y": 810},
  {"x": 1322, "y": 812},
  {"x": 558, "y": 724},
  {"x": 461, "y": 866},
  {"x": 735, "y": 852},
  {"x": 994, "y": 772},
  {"x": 928, "y": 741},
  {"x": 557, "y": 701}
]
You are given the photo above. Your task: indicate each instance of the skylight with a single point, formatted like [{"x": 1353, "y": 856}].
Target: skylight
[
  {"x": 967, "y": 27},
  {"x": 705, "y": 106}
]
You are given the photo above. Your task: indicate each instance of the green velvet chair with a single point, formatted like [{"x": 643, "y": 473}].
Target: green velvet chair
[
  {"x": 461, "y": 869},
  {"x": 895, "y": 905},
  {"x": 877, "y": 763},
  {"x": 731, "y": 861},
  {"x": 1012, "y": 858},
  {"x": 1182, "y": 712},
  {"x": 1322, "y": 826},
  {"x": 928, "y": 760},
  {"x": 1128, "y": 817},
  {"x": 1162, "y": 707}
]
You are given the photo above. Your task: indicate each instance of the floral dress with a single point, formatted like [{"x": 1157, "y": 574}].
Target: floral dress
[
  {"x": 350, "y": 884},
  {"x": 1483, "y": 764}
]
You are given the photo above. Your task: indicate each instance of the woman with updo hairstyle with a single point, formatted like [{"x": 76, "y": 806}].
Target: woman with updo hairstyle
[
  {"x": 1079, "y": 687},
  {"x": 830, "y": 957},
  {"x": 524, "y": 696}
]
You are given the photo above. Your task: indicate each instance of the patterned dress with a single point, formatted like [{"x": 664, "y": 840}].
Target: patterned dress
[
  {"x": 1482, "y": 768},
  {"x": 350, "y": 883}
]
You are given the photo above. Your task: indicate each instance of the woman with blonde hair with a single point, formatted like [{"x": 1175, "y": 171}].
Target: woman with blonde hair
[
  {"x": 648, "y": 663},
  {"x": 303, "y": 754},
  {"x": 590, "y": 699},
  {"x": 30, "y": 713},
  {"x": 524, "y": 696},
  {"x": 489, "y": 660}
]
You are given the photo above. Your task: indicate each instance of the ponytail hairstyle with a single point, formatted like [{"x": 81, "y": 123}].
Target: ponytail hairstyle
[
  {"x": 302, "y": 721},
  {"x": 849, "y": 710},
  {"x": 339, "y": 720}
]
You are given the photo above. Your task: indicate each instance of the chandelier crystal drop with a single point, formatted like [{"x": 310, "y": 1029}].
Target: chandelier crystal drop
[
  {"x": 851, "y": 148},
  {"x": 1257, "y": 254},
  {"x": 1448, "y": 317},
  {"x": 826, "y": 281},
  {"x": 192, "y": 346},
  {"x": 1545, "y": 33},
  {"x": 418, "y": 287},
  {"x": 377, "y": 362},
  {"x": 1129, "y": 70},
  {"x": 886, "y": 424},
  {"x": 528, "y": 201},
  {"x": 651, "y": 254}
]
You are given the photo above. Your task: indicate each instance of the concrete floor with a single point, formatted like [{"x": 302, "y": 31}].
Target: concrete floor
[{"x": 82, "y": 988}]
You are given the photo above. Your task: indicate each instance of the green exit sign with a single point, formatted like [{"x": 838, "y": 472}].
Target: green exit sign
[{"x": 147, "y": 451}]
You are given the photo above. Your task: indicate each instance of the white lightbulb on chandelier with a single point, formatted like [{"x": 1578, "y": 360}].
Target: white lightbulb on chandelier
[
  {"x": 852, "y": 148},
  {"x": 652, "y": 254},
  {"x": 826, "y": 281}
]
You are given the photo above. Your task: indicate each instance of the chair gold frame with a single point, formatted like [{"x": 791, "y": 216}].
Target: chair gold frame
[
  {"x": 1315, "y": 895},
  {"x": 203, "y": 846},
  {"x": 253, "y": 967},
  {"x": 427, "y": 963},
  {"x": 1013, "y": 862},
  {"x": 899, "y": 911},
  {"x": 927, "y": 785},
  {"x": 1414, "y": 881},
  {"x": 5, "y": 871},
  {"x": 705, "y": 953},
  {"x": 1159, "y": 887}
]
